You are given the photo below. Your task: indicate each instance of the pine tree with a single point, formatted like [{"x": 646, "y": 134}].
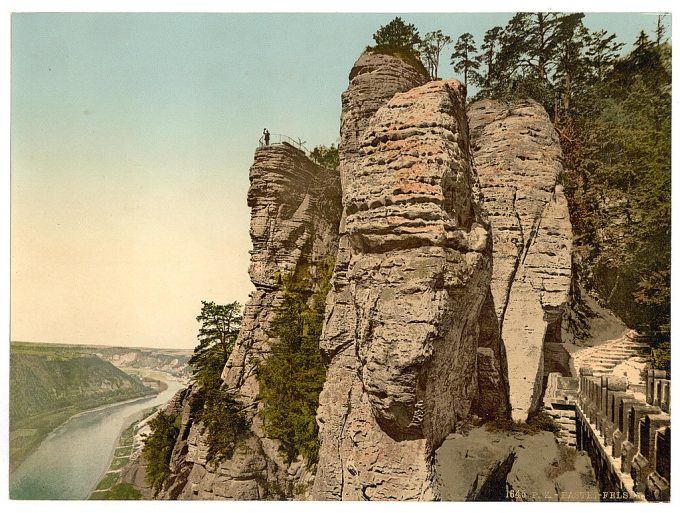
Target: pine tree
[
  {"x": 660, "y": 29},
  {"x": 602, "y": 50},
  {"x": 463, "y": 56},
  {"x": 401, "y": 40},
  {"x": 397, "y": 34},
  {"x": 487, "y": 57},
  {"x": 222, "y": 416},
  {"x": 216, "y": 336},
  {"x": 571, "y": 65},
  {"x": 529, "y": 43}
]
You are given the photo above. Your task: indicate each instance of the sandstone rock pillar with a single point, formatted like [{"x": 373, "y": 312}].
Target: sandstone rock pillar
[
  {"x": 402, "y": 326},
  {"x": 517, "y": 155}
]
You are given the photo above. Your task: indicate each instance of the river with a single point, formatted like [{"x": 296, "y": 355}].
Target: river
[{"x": 69, "y": 463}]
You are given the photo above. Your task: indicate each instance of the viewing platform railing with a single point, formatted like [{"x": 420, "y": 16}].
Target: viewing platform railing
[{"x": 275, "y": 139}]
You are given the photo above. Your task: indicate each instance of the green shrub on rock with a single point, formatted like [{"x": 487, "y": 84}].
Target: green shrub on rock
[
  {"x": 158, "y": 447},
  {"x": 292, "y": 377}
]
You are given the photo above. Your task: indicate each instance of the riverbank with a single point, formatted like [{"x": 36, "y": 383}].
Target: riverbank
[
  {"x": 26, "y": 436},
  {"x": 72, "y": 459},
  {"x": 110, "y": 486},
  {"x": 50, "y": 383}
]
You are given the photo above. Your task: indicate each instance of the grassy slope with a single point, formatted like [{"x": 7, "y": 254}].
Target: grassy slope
[{"x": 49, "y": 384}]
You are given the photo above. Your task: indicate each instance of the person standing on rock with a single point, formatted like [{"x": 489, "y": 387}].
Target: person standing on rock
[{"x": 266, "y": 137}]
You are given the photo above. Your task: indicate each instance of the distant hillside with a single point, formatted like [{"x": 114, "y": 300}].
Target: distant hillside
[
  {"x": 171, "y": 361},
  {"x": 48, "y": 384}
]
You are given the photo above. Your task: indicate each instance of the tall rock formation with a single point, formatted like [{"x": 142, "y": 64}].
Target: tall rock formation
[
  {"x": 517, "y": 155},
  {"x": 295, "y": 212},
  {"x": 421, "y": 332},
  {"x": 414, "y": 267}
]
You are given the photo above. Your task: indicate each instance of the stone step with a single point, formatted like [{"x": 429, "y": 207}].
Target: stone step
[
  {"x": 601, "y": 365},
  {"x": 604, "y": 358},
  {"x": 618, "y": 352},
  {"x": 634, "y": 347}
]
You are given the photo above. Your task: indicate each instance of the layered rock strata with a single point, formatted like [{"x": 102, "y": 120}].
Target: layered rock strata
[
  {"x": 517, "y": 155},
  {"x": 295, "y": 212},
  {"x": 402, "y": 321}
]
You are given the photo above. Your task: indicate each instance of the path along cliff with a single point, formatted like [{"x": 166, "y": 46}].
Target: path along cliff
[{"x": 452, "y": 248}]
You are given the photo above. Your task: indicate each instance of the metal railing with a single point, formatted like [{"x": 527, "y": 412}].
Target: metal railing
[{"x": 284, "y": 139}]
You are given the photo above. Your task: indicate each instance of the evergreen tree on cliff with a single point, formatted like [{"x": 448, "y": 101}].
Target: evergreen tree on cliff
[
  {"x": 218, "y": 409},
  {"x": 401, "y": 40},
  {"x": 463, "y": 57},
  {"x": 431, "y": 48},
  {"x": 487, "y": 57},
  {"x": 216, "y": 336},
  {"x": 397, "y": 34}
]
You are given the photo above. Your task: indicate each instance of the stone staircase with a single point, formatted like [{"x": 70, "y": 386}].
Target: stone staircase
[
  {"x": 610, "y": 358},
  {"x": 625, "y": 356},
  {"x": 559, "y": 402}
]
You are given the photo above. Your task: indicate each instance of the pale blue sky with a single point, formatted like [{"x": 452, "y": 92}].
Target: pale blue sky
[{"x": 132, "y": 135}]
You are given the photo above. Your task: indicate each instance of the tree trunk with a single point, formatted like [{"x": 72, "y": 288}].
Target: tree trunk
[
  {"x": 489, "y": 66},
  {"x": 541, "y": 56},
  {"x": 567, "y": 93}
]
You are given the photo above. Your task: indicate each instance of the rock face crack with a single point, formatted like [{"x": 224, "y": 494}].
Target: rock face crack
[{"x": 516, "y": 264}]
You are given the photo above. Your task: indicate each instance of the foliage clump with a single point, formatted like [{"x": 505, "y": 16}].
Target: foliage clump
[
  {"x": 292, "y": 376},
  {"x": 222, "y": 415},
  {"x": 401, "y": 40},
  {"x": 158, "y": 447},
  {"x": 326, "y": 156},
  {"x": 660, "y": 357}
]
